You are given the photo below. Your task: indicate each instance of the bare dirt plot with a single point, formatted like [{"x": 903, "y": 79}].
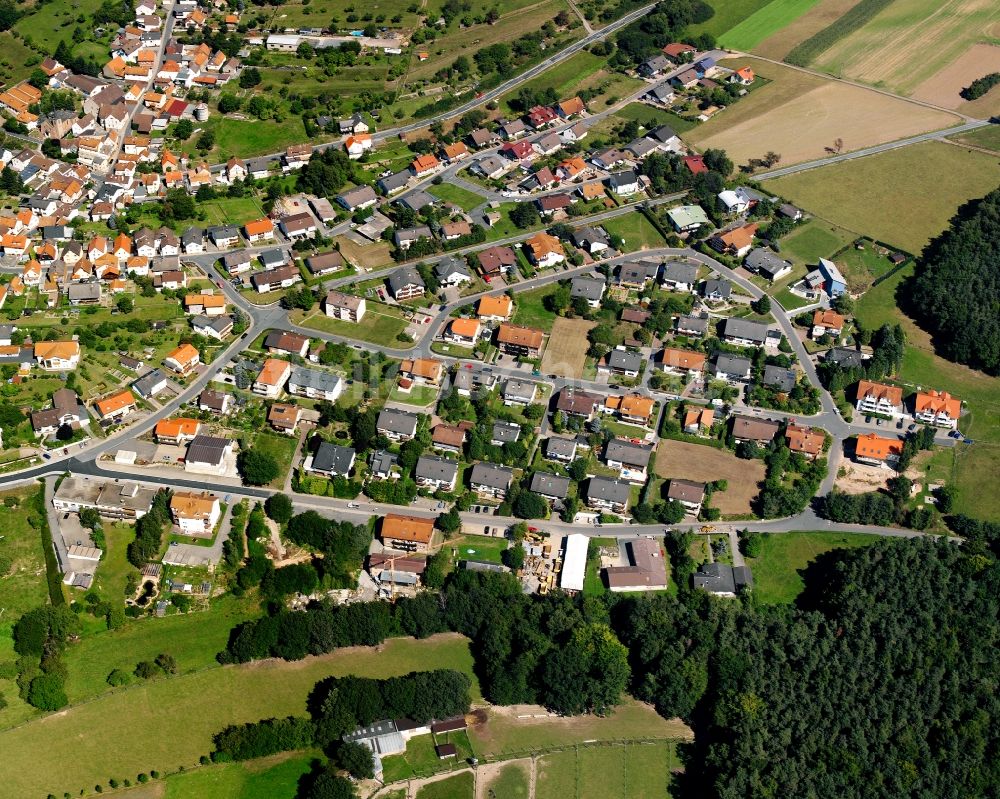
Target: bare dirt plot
[
  {"x": 780, "y": 43},
  {"x": 566, "y": 351},
  {"x": 944, "y": 87},
  {"x": 367, "y": 257},
  {"x": 860, "y": 478},
  {"x": 799, "y": 115},
  {"x": 909, "y": 41},
  {"x": 705, "y": 464}
]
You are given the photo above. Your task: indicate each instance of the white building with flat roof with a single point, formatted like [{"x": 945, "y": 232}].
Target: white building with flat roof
[{"x": 574, "y": 563}]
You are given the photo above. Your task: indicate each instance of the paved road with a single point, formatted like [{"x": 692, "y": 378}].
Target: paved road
[{"x": 878, "y": 148}]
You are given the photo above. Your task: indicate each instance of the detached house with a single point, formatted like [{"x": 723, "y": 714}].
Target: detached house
[
  {"x": 182, "y": 359},
  {"x": 877, "y": 451},
  {"x": 489, "y": 479},
  {"x": 397, "y": 425},
  {"x": 272, "y": 378}
]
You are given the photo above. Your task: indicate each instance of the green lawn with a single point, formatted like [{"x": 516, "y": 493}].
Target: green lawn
[
  {"x": 463, "y": 198},
  {"x": 282, "y": 449},
  {"x": 420, "y": 396},
  {"x": 557, "y": 776},
  {"x": 232, "y": 210},
  {"x": 273, "y": 777},
  {"x": 168, "y": 723},
  {"x": 650, "y": 117},
  {"x": 987, "y": 137},
  {"x": 776, "y": 573},
  {"x": 930, "y": 181},
  {"x": 788, "y": 300},
  {"x": 637, "y": 231},
  {"x": 193, "y": 639},
  {"x": 530, "y": 310},
  {"x": 247, "y": 138},
  {"x": 634, "y": 771},
  {"x": 813, "y": 240},
  {"x": 511, "y": 782},
  {"x": 763, "y": 23},
  {"x": 458, "y": 787},
  {"x": 421, "y": 760},
  {"x": 564, "y": 77},
  {"x": 23, "y": 587},
  {"x": 479, "y": 547},
  {"x": 381, "y": 324}
]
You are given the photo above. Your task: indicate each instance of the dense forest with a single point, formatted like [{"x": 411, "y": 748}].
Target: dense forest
[
  {"x": 880, "y": 682},
  {"x": 954, "y": 294}
]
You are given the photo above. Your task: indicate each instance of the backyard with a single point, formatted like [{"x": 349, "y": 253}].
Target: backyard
[
  {"x": 566, "y": 351},
  {"x": 530, "y": 310}
]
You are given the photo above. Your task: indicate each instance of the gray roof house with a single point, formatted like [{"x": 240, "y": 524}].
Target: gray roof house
[
  {"x": 560, "y": 449},
  {"x": 767, "y": 264},
  {"x": 780, "y": 378},
  {"x": 404, "y": 237},
  {"x": 355, "y": 199},
  {"x": 406, "y": 282},
  {"x": 588, "y": 288},
  {"x": 623, "y": 362},
  {"x": 397, "y": 181},
  {"x": 333, "y": 459},
  {"x": 625, "y": 453},
  {"x": 397, "y": 425},
  {"x": 505, "y": 432},
  {"x": 692, "y": 325},
  {"x": 637, "y": 273},
  {"x": 150, "y": 384},
  {"x": 416, "y": 200},
  {"x": 716, "y": 289},
  {"x": 844, "y": 357},
  {"x": 550, "y": 486},
  {"x": 731, "y": 367},
  {"x": 437, "y": 473},
  {"x": 721, "y": 579},
  {"x": 591, "y": 239},
  {"x": 489, "y": 478},
  {"x": 606, "y": 494},
  {"x": 744, "y": 331},
  {"x": 519, "y": 392},
  {"x": 680, "y": 275}
]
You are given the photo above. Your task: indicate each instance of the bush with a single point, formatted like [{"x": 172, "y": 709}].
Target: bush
[
  {"x": 47, "y": 692},
  {"x": 146, "y": 669},
  {"x": 257, "y": 468},
  {"x": 119, "y": 677},
  {"x": 262, "y": 738}
]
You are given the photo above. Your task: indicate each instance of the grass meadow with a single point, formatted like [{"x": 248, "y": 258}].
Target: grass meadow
[{"x": 763, "y": 23}]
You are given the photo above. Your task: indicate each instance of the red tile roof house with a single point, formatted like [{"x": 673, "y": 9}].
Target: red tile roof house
[{"x": 540, "y": 116}]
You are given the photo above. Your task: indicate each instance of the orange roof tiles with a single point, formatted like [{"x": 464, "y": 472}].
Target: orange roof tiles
[
  {"x": 407, "y": 528},
  {"x": 175, "y": 428},
  {"x": 894, "y": 394},
  {"x": 683, "y": 359},
  {"x": 466, "y": 328},
  {"x": 424, "y": 163},
  {"x": 938, "y": 402},
  {"x": 804, "y": 439},
  {"x": 427, "y": 368},
  {"x": 115, "y": 403},
  {"x": 875, "y": 447},
  {"x": 273, "y": 372},
  {"x": 259, "y": 226},
  {"x": 520, "y": 336},
  {"x": 496, "y": 306},
  {"x": 185, "y": 354},
  {"x": 828, "y": 318},
  {"x": 633, "y": 405}
]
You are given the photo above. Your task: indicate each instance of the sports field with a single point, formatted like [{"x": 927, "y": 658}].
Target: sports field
[
  {"x": 705, "y": 464},
  {"x": 168, "y": 723},
  {"x": 903, "y": 197},
  {"x": 908, "y": 41},
  {"x": 566, "y": 351},
  {"x": 764, "y": 23},
  {"x": 800, "y": 116}
]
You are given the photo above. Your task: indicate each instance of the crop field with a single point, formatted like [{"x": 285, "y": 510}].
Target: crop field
[
  {"x": 566, "y": 350},
  {"x": 929, "y": 182},
  {"x": 705, "y": 464},
  {"x": 764, "y": 23},
  {"x": 777, "y": 577},
  {"x": 779, "y": 43},
  {"x": 727, "y": 16},
  {"x": 636, "y": 771},
  {"x": 909, "y": 41},
  {"x": 944, "y": 87},
  {"x": 167, "y": 723},
  {"x": 799, "y": 116}
]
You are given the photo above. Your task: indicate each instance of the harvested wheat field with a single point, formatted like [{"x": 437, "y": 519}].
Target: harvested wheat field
[
  {"x": 909, "y": 41},
  {"x": 800, "y": 115},
  {"x": 945, "y": 87},
  {"x": 780, "y": 43},
  {"x": 706, "y": 464},
  {"x": 566, "y": 351}
]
